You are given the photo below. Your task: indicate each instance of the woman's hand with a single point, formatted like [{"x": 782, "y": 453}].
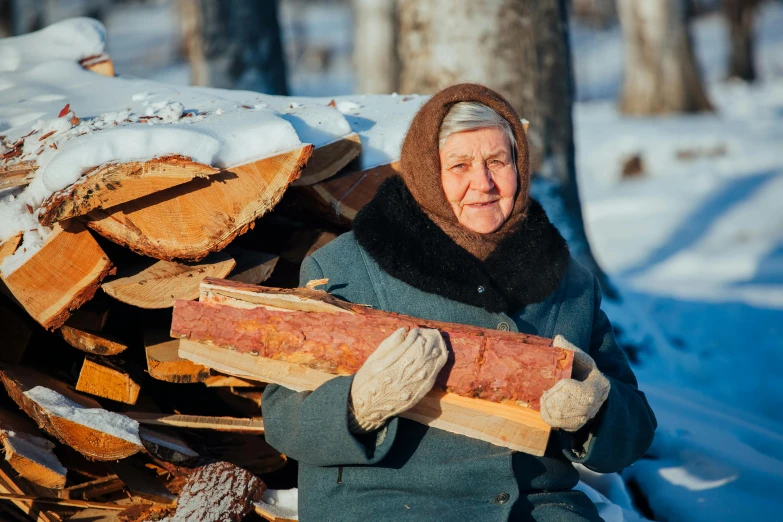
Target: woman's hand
[
  {"x": 570, "y": 403},
  {"x": 395, "y": 377}
]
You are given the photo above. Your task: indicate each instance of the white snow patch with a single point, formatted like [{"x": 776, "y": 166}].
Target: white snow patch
[
  {"x": 97, "y": 419},
  {"x": 36, "y": 449},
  {"x": 72, "y": 40}
]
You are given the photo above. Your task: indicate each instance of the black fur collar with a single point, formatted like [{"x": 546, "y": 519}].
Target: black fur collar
[{"x": 524, "y": 269}]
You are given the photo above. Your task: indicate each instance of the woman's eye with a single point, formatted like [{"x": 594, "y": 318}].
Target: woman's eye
[
  {"x": 495, "y": 162},
  {"x": 459, "y": 166}
]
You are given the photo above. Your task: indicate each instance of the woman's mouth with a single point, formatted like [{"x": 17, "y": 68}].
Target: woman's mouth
[{"x": 481, "y": 204}]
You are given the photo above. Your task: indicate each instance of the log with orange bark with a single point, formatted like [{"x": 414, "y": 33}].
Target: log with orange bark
[{"x": 490, "y": 388}]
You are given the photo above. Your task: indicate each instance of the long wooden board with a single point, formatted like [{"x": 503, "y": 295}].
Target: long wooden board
[
  {"x": 115, "y": 183},
  {"x": 489, "y": 390},
  {"x": 189, "y": 221},
  {"x": 61, "y": 276}
]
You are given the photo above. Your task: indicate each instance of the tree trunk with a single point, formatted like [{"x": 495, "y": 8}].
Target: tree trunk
[
  {"x": 234, "y": 44},
  {"x": 521, "y": 49},
  {"x": 375, "y": 46},
  {"x": 739, "y": 15},
  {"x": 661, "y": 75}
]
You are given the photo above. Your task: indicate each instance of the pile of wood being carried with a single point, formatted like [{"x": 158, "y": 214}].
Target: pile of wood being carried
[{"x": 133, "y": 217}]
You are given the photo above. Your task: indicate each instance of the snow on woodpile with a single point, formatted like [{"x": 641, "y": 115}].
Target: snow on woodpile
[
  {"x": 65, "y": 120},
  {"x": 97, "y": 419},
  {"x": 381, "y": 121}
]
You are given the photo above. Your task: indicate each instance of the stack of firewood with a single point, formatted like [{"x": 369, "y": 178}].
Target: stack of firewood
[{"x": 99, "y": 412}]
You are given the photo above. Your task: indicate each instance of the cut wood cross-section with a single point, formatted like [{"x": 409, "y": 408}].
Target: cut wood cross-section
[
  {"x": 101, "y": 377},
  {"x": 158, "y": 284},
  {"x": 93, "y": 343},
  {"x": 490, "y": 389},
  {"x": 341, "y": 197},
  {"x": 330, "y": 159},
  {"x": 73, "y": 419},
  {"x": 115, "y": 183},
  {"x": 189, "y": 221},
  {"x": 61, "y": 276},
  {"x": 28, "y": 453}
]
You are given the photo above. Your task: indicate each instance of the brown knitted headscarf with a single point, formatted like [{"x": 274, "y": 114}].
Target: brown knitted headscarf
[{"x": 420, "y": 166}]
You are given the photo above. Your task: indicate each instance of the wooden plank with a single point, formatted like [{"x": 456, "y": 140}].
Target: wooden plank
[
  {"x": 92, "y": 343},
  {"x": 29, "y": 454},
  {"x": 190, "y": 221},
  {"x": 200, "y": 422},
  {"x": 62, "y": 501},
  {"x": 313, "y": 328},
  {"x": 86, "y": 427},
  {"x": 93, "y": 488},
  {"x": 490, "y": 390},
  {"x": 164, "y": 362},
  {"x": 330, "y": 159},
  {"x": 103, "y": 378},
  {"x": 339, "y": 198},
  {"x": 502, "y": 424},
  {"x": 157, "y": 284},
  {"x": 114, "y": 183},
  {"x": 60, "y": 277}
]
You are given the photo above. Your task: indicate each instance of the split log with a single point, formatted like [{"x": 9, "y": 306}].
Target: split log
[
  {"x": 200, "y": 422},
  {"x": 16, "y": 488},
  {"x": 62, "y": 501},
  {"x": 340, "y": 198},
  {"x": 73, "y": 419},
  {"x": 17, "y": 175},
  {"x": 10, "y": 245},
  {"x": 164, "y": 362},
  {"x": 221, "y": 380},
  {"x": 62, "y": 275},
  {"x": 30, "y": 455},
  {"x": 105, "y": 379},
  {"x": 99, "y": 64},
  {"x": 115, "y": 183},
  {"x": 190, "y": 221},
  {"x": 252, "y": 267},
  {"x": 91, "y": 343},
  {"x": 157, "y": 284},
  {"x": 166, "y": 446},
  {"x": 330, "y": 159},
  {"x": 219, "y": 484},
  {"x": 302, "y": 338}
]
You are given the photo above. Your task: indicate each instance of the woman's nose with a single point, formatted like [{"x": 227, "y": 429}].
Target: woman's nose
[{"x": 481, "y": 178}]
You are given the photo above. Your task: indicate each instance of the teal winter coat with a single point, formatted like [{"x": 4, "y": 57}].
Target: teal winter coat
[{"x": 407, "y": 471}]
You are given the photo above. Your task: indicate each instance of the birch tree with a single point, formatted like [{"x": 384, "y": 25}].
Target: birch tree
[
  {"x": 520, "y": 48},
  {"x": 661, "y": 75},
  {"x": 375, "y": 46},
  {"x": 234, "y": 44}
]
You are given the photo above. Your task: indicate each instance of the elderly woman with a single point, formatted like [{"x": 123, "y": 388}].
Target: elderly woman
[{"x": 457, "y": 238}]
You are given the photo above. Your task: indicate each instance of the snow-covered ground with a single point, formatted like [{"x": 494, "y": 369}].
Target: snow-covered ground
[{"x": 695, "y": 245}]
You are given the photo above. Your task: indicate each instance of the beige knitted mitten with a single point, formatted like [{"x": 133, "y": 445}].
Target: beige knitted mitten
[
  {"x": 395, "y": 377},
  {"x": 570, "y": 403}
]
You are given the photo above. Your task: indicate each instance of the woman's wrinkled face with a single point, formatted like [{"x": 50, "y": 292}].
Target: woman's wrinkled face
[{"x": 479, "y": 177}]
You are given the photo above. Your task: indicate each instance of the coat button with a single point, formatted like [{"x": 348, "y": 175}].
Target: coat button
[
  {"x": 502, "y": 498},
  {"x": 480, "y": 289},
  {"x": 504, "y": 326}
]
